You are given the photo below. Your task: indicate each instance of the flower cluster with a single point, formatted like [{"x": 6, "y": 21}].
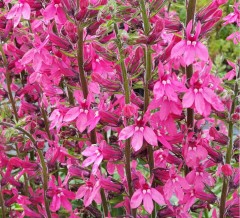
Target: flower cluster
[{"x": 114, "y": 108}]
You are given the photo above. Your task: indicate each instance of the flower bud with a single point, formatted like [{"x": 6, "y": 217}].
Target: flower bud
[{"x": 227, "y": 170}]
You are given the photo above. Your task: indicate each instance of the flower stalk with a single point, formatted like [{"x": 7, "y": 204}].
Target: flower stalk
[
  {"x": 189, "y": 69},
  {"x": 3, "y": 213},
  {"x": 127, "y": 101},
  {"x": 84, "y": 86},
  {"x": 43, "y": 164},
  {"x": 224, "y": 192}
]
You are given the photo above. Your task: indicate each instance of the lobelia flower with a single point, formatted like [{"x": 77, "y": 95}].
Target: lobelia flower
[
  {"x": 18, "y": 10},
  {"x": 234, "y": 16},
  {"x": 193, "y": 151},
  {"x": 199, "y": 177},
  {"x": 232, "y": 73},
  {"x": 146, "y": 194},
  {"x": 200, "y": 96},
  {"x": 54, "y": 10},
  {"x": 138, "y": 132},
  {"x": 175, "y": 185},
  {"x": 90, "y": 191},
  {"x": 59, "y": 195},
  {"x": 194, "y": 193},
  {"x": 96, "y": 153},
  {"x": 85, "y": 116},
  {"x": 191, "y": 47},
  {"x": 235, "y": 37},
  {"x": 38, "y": 55}
]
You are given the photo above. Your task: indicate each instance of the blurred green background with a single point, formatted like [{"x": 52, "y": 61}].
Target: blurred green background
[{"x": 220, "y": 49}]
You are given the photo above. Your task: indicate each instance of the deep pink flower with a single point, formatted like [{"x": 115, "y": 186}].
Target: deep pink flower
[
  {"x": 227, "y": 170},
  {"x": 59, "y": 195},
  {"x": 201, "y": 96},
  {"x": 90, "y": 191},
  {"x": 191, "y": 47},
  {"x": 138, "y": 132},
  {"x": 84, "y": 116},
  {"x": 96, "y": 153},
  {"x": 193, "y": 150},
  {"x": 175, "y": 185},
  {"x": 20, "y": 9},
  {"x": 146, "y": 194},
  {"x": 235, "y": 37},
  {"x": 234, "y": 16}
]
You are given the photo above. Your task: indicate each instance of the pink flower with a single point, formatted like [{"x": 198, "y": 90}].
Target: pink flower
[
  {"x": 193, "y": 150},
  {"x": 234, "y": 16},
  {"x": 84, "y": 116},
  {"x": 96, "y": 153},
  {"x": 235, "y": 37},
  {"x": 175, "y": 185},
  {"x": 201, "y": 96},
  {"x": 18, "y": 10},
  {"x": 191, "y": 47},
  {"x": 138, "y": 132},
  {"x": 59, "y": 195},
  {"x": 90, "y": 191},
  {"x": 147, "y": 195}
]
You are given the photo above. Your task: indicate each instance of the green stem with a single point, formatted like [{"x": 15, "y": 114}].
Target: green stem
[
  {"x": 43, "y": 164},
  {"x": 2, "y": 204},
  {"x": 229, "y": 149},
  {"x": 84, "y": 86},
  {"x": 104, "y": 202},
  {"x": 127, "y": 150},
  {"x": 11, "y": 98},
  {"x": 147, "y": 78},
  {"x": 82, "y": 77},
  {"x": 46, "y": 122},
  {"x": 189, "y": 69}
]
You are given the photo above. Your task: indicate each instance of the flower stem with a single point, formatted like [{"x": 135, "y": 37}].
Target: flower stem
[
  {"x": 43, "y": 164},
  {"x": 11, "y": 99},
  {"x": 82, "y": 77},
  {"x": 229, "y": 149},
  {"x": 3, "y": 214},
  {"x": 189, "y": 69},
  {"x": 84, "y": 86},
  {"x": 147, "y": 78},
  {"x": 127, "y": 101}
]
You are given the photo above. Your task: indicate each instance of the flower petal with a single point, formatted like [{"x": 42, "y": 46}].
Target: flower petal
[
  {"x": 148, "y": 203},
  {"x": 150, "y": 136},
  {"x": 137, "y": 140},
  {"x": 136, "y": 199},
  {"x": 157, "y": 196},
  {"x": 188, "y": 99},
  {"x": 126, "y": 133}
]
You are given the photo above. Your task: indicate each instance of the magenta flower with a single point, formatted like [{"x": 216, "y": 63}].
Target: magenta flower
[
  {"x": 59, "y": 195},
  {"x": 175, "y": 185},
  {"x": 200, "y": 96},
  {"x": 191, "y": 47},
  {"x": 17, "y": 11},
  {"x": 138, "y": 132},
  {"x": 84, "y": 116},
  {"x": 234, "y": 16},
  {"x": 96, "y": 153},
  {"x": 90, "y": 191},
  {"x": 147, "y": 195}
]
